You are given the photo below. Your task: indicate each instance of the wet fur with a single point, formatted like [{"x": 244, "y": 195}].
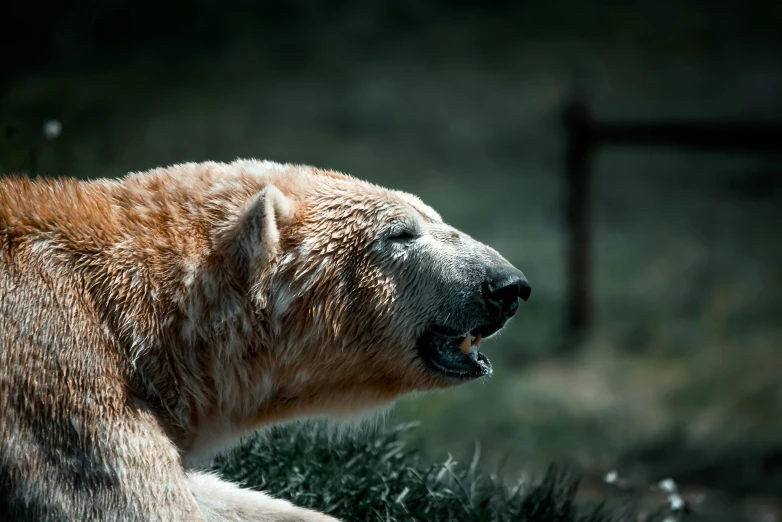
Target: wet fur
[{"x": 146, "y": 323}]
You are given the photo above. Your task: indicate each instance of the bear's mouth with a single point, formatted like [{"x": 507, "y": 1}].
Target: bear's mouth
[{"x": 456, "y": 355}]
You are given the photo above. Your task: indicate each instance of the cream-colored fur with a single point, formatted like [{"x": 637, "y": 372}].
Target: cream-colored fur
[{"x": 221, "y": 501}]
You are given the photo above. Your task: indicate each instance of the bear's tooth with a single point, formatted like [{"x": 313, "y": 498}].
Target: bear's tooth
[
  {"x": 465, "y": 346},
  {"x": 477, "y": 342}
]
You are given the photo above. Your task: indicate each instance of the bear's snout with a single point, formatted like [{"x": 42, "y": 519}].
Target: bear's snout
[{"x": 449, "y": 348}]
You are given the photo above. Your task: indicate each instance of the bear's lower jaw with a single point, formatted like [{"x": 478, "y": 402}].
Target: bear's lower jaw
[{"x": 443, "y": 356}]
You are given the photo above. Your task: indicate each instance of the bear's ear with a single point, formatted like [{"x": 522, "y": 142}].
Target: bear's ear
[{"x": 255, "y": 235}]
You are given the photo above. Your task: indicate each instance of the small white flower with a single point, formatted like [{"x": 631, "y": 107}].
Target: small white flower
[
  {"x": 52, "y": 129},
  {"x": 676, "y": 502},
  {"x": 611, "y": 477},
  {"x": 667, "y": 485}
]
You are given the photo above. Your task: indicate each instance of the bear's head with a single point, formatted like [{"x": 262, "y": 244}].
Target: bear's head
[{"x": 365, "y": 293}]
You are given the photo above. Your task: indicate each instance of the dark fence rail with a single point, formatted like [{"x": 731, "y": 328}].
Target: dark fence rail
[{"x": 585, "y": 135}]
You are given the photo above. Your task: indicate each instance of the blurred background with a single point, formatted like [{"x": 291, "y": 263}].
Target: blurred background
[{"x": 676, "y": 369}]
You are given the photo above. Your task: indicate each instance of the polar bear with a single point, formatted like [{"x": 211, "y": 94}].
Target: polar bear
[{"x": 149, "y": 321}]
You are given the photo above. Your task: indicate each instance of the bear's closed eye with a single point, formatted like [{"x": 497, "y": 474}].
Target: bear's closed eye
[{"x": 402, "y": 235}]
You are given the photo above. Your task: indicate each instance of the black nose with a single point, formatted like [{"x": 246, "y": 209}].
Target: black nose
[{"x": 505, "y": 285}]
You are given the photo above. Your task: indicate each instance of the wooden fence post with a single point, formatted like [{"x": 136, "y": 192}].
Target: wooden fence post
[
  {"x": 585, "y": 134},
  {"x": 578, "y": 127}
]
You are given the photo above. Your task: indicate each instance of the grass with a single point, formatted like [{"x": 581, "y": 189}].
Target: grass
[{"x": 377, "y": 477}]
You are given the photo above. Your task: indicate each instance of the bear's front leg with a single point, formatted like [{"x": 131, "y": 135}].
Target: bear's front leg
[{"x": 221, "y": 501}]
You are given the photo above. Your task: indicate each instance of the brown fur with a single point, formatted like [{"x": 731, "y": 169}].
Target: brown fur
[{"x": 150, "y": 320}]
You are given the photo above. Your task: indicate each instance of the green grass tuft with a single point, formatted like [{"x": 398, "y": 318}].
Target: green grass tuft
[{"x": 375, "y": 477}]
